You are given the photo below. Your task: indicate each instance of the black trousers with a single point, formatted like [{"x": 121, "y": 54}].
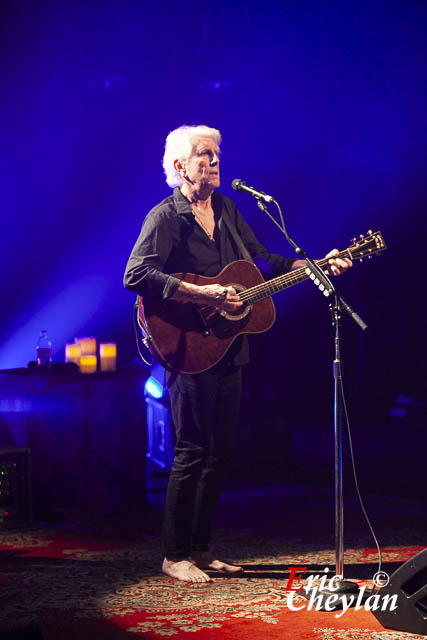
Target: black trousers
[{"x": 205, "y": 411}]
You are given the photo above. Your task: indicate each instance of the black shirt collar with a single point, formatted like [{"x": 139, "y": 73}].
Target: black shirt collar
[
  {"x": 181, "y": 203},
  {"x": 183, "y": 206}
]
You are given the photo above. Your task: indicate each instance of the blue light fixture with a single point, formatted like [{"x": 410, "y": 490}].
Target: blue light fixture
[{"x": 153, "y": 388}]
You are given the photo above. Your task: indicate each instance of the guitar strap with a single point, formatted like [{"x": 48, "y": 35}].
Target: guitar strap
[{"x": 237, "y": 239}]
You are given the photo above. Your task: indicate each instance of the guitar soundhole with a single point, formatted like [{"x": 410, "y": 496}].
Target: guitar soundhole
[{"x": 241, "y": 312}]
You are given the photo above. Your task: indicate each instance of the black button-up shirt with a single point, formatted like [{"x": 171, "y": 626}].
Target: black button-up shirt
[{"x": 172, "y": 241}]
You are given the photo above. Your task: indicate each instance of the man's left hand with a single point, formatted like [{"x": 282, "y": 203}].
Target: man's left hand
[{"x": 337, "y": 266}]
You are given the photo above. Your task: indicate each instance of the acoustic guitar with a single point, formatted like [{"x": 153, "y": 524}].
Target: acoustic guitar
[{"x": 192, "y": 338}]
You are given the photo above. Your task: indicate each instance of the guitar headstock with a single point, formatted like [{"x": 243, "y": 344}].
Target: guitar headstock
[{"x": 367, "y": 246}]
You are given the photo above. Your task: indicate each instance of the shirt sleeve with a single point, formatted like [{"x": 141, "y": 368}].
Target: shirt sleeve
[
  {"x": 270, "y": 264},
  {"x": 144, "y": 273}
]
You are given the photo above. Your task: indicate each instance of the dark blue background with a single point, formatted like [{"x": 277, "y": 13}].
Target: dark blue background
[{"x": 322, "y": 106}]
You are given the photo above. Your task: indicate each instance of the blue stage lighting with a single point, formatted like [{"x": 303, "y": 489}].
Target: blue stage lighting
[{"x": 153, "y": 388}]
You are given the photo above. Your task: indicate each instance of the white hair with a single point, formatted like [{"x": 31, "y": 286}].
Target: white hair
[{"x": 179, "y": 144}]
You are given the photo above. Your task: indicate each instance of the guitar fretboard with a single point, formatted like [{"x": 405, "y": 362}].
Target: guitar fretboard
[{"x": 267, "y": 289}]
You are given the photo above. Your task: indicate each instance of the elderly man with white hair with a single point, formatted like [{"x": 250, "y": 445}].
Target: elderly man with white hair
[{"x": 194, "y": 231}]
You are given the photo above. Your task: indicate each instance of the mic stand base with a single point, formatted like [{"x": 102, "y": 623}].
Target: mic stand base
[{"x": 345, "y": 593}]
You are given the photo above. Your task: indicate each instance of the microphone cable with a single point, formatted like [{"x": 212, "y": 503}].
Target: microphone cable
[{"x": 138, "y": 334}]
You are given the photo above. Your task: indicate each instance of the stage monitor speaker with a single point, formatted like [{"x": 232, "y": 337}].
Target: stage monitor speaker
[
  {"x": 15, "y": 487},
  {"x": 409, "y": 583},
  {"x": 160, "y": 448}
]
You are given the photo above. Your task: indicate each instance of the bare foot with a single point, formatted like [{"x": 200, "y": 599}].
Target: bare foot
[
  {"x": 205, "y": 560},
  {"x": 184, "y": 570}
]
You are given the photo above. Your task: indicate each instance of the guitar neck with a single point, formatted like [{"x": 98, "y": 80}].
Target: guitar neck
[{"x": 269, "y": 288}]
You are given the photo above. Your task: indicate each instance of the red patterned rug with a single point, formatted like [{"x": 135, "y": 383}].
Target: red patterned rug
[{"x": 100, "y": 579}]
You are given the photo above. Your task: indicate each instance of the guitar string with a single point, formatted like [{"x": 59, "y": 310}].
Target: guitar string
[
  {"x": 261, "y": 288},
  {"x": 289, "y": 278},
  {"x": 299, "y": 275},
  {"x": 265, "y": 289}
]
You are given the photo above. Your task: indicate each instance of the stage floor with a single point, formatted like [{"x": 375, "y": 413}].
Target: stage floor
[{"x": 90, "y": 577}]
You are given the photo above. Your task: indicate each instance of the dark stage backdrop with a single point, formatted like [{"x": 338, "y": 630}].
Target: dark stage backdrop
[{"x": 319, "y": 104}]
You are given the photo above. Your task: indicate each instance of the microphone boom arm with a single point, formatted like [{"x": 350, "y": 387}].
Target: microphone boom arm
[{"x": 317, "y": 275}]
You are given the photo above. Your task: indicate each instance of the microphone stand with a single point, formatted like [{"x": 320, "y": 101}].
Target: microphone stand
[{"x": 341, "y": 588}]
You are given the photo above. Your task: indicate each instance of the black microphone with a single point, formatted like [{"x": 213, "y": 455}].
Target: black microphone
[{"x": 240, "y": 185}]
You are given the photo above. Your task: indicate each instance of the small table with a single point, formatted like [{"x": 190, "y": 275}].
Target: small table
[{"x": 87, "y": 434}]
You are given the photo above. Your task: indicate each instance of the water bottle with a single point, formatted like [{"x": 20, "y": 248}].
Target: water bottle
[{"x": 44, "y": 350}]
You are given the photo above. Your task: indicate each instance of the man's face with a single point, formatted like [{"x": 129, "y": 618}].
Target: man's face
[{"x": 202, "y": 167}]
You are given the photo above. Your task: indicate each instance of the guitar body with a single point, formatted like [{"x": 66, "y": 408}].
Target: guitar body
[{"x": 191, "y": 338}]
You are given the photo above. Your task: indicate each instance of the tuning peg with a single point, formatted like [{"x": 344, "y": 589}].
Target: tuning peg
[
  {"x": 361, "y": 236},
  {"x": 353, "y": 240},
  {"x": 370, "y": 232}
]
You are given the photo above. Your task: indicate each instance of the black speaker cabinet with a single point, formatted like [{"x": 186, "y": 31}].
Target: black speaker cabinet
[
  {"x": 160, "y": 449},
  {"x": 409, "y": 583},
  {"x": 15, "y": 487}
]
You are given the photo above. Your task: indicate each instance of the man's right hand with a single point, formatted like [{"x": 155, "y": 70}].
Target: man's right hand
[
  {"x": 214, "y": 295},
  {"x": 223, "y": 298}
]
